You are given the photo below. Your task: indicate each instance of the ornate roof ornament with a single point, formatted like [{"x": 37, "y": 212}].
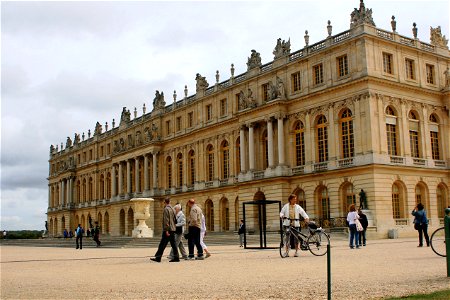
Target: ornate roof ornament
[
  {"x": 361, "y": 16},
  {"x": 98, "y": 129},
  {"x": 246, "y": 100},
  {"x": 124, "y": 117},
  {"x": 158, "y": 101},
  {"x": 202, "y": 84},
  {"x": 437, "y": 39},
  {"x": 282, "y": 48},
  {"x": 254, "y": 61}
]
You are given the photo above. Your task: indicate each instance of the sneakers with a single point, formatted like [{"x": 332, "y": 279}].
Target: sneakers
[
  {"x": 207, "y": 255},
  {"x": 199, "y": 258},
  {"x": 189, "y": 258},
  {"x": 296, "y": 254}
]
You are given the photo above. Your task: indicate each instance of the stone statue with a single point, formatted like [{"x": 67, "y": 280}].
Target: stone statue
[
  {"x": 281, "y": 93},
  {"x": 447, "y": 78},
  {"x": 254, "y": 60},
  {"x": 46, "y": 226},
  {"x": 138, "y": 138},
  {"x": 76, "y": 139},
  {"x": 130, "y": 141},
  {"x": 362, "y": 200},
  {"x": 361, "y": 16},
  {"x": 116, "y": 146},
  {"x": 202, "y": 84},
  {"x": 154, "y": 131},
  {"x": 437, "y": 39},
  {"x": 282, "y": 48},
  {"x": 242, "y": 100},
  {"x": 158, "y": 101},
  {"x": 122, "y": 144},
  {"x": 52, "y": 149},
  {"x": 125, "y": 116},
  {"x": 251, "y": 102},
  {"x": 98, "y": 129}
]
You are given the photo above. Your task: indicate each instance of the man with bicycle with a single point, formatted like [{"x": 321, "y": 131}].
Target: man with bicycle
[{"x": 290, "y": 214}]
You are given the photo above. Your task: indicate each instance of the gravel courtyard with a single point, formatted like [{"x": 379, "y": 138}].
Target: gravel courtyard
[{"x": 383, "y": 268}]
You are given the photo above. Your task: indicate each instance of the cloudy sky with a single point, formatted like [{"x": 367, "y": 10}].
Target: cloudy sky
[{"x": 67, "y": 65}]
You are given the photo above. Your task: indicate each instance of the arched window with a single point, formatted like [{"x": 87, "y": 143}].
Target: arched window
[
  {"x": 391, "y": 131},
  {"x": 191, "y": 167},
  {"x": 347, "y": 140},
  {"x": 348, "y": 196},
  {"x": 419, "y": 195},
  {"x": 180, "y": 169},
  {"x": 434, "y": 135},
  {"x": 210, "y": 160},
  {"x": 322, "y": 139},
  {"x": 442, "y": 200},
  {"x": 102, "y": 186},
  {"x": 301, "y": 198},
  {"x": 169, "y": 171},
  {"x": 238, "y": 155},
  {"x": 397, "y": 201},
  {"x": 78, "y": 192},
  {"x": 108, "y": 185},
  {"x": 225, "y": 160},
  {"x": 91, "y": 189},
  {"x": 225, "y": 214},
  {"x": 209, "y": 215},
  {"x": 265, "y": 147},
  {"x": 84, "y": 190},
  {"x": 324, "y": 203},
  {"x": 299, "y": 132},
  {"x": 422, "y": 197},
  {"x": 414, "y": 136}
]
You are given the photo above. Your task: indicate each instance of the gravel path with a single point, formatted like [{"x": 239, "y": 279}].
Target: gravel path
[{"x": 383, "y": 268}]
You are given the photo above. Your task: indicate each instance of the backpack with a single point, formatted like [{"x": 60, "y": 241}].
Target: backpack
[{"x": 80, "y": 231}]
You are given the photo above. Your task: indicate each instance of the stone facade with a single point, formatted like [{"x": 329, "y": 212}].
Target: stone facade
[{"x": 364, "y": 109}]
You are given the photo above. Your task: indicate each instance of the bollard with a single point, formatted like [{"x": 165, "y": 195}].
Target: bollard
[
  {"x": 447, "y": 238},
  {"x": 329, "y": 272}
]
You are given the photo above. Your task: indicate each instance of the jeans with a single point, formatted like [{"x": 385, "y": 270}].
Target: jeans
[
  {"x": 241, "y": 239},
  {"x": 180, "y": 245},
  {"x": 81, "y": 242},
  {"x": 162, "y": 245},
  {"x": 362, "y": 234},
  {"x": 353, "y": 235},
  {"x": 194, "y": 240},
  {"x": 423, "y": 229}
]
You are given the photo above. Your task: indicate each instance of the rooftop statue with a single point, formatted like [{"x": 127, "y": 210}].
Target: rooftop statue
[
  {"x": 361, "y": 16},
  {"x": 125, "y": 117},
  {"x": 282, "y": 48},
  {"x": 254, "y": 60},
  {"x": 76, "y": 139},
  {"x": 68, "y": 142},
  {"x": 98, "y": 129},
  {"x": 436, "y": 37},
  {"x": 202, "y": 84}
]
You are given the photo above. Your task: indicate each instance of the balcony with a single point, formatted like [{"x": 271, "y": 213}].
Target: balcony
[
  {"x": 346, "y": 162},
  {"x": 223, "y": 182},
  {"x": 209, "y": 184},
  {"x": 398, "y": 160},
  {"x": 298, "y": 170},
  {"x": 320, "y": 167},
  {"x": 419, "y": 161},
  {"x": 401, "y": 222},
  {"x": 258, "y": 174},
  {"x": 439, "y": 163}
]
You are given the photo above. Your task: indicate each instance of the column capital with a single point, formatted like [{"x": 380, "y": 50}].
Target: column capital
[
  {"x": 280, "y": 115},
  {"x": 242, "y": 126}
]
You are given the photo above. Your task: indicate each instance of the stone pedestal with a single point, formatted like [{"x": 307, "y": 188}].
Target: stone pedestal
[{"x": 142, "y": 213}]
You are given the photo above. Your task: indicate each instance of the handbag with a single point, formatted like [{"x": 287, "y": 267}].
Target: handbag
[
  {"x": 358, "y": 225},
  {"x": 417, "y": 226}
]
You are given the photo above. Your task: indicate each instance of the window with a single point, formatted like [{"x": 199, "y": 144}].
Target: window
[
  {"x": 79, "y": 158},
  {"x": 430, "y": 73},
  {"x": 90, "y": 154},
  {"x": 391, "y": 131},
  {"x": 324, "y": 203},
  {"x": 322, "y": 139},
  {"x": 169, "y": 172},
  {"x": 441, "y": 196},
  {"x": 318, "y": 74},
  {"x": 209, "y": 112},
  {"x": 191, "y": 168},
  {"x": 299, "y": 132},
  {"x": 108, "y": 149},
  {"x": 101, "y": 151},
  {"x": 225, "y": 160},
  {"x": 387, "y": 63},
  {"x": 347, "y": 140},
  {"x": 418, "y": 195},
  {"x": 265, "y": 92},
  {"x": 178, "y": 124},
  {"x": 190, "y": 119},
  {"x": 84, "y": 157},
  {"x": 265, "y": 150},
  {"x": 414, "y": 134},
  {"x": 168, "y": 129},
  {"x": 395, "y": 202},
  {"x": 223, "y": 107},
  {"x": 434, "y": 135},
  {"x": 301, "y": 199},
  {"x": 238, "y": 155},
  {"x": 296, "y": 84},
  {"x": 180, "y": 169},
  {"x": 210, "y": 158},
  {"x": 342, "y": 66},
  {"x": 409, "y": 67}
]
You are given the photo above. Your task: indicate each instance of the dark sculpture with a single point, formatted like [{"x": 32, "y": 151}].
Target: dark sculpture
[{"x": 362, "y": 200}]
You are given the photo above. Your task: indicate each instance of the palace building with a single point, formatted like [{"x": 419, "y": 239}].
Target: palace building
[{"x": 366, "y": 109}]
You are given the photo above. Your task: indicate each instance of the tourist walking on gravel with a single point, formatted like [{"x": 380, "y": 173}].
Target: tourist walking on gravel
[
  {"x": 168, "y": 234},
  {"x": 195, "y": 221},
  {"x": 241, "y": 232},
  {"x": 290, "y": 214},
  {"x": 364, "y": 223},
  {"x": 202, "y": 237},
  {"x": 351, "y": 219},
  {"x": 181, "y": 221},
  {"x": 421, "y": 223},
  {"x": 79, "y": 233},
  {"x": 97, "y": 234}
]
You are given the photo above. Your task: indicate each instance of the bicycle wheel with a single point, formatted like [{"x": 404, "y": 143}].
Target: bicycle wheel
[
  {"x": 438, "y": 242},
  {"x": 285, "y": 244},
  {"x": 318, "y": 242}
]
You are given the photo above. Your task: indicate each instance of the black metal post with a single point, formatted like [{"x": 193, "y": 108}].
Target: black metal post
[{"x": 329, "y": 271}]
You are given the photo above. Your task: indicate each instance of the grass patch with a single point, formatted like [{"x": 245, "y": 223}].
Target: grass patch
[{"x": 444, "y": 295}]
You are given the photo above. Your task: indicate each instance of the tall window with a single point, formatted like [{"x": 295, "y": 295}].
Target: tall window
[
  {"x": 238, "y": 155},
  {"x": 210, "y": 157},
  {"x": 91, "y": 189},
  {"x": 430, "y": 74},
  {"x": 419, "y": 195},
  {"x": 324, "y": 203},
  {"x": 108, "y": 186},
  {"x": 178, "y": 124},
  {"x": 391, "y": 131},
  {"x": 180, "y": 169},
  {"x": 441, "y": 196},
  {"x": 299, "y": 131},
  {"x": 349, "y": 195},
  {"x": 265, "y": 92},
  {"x": 322, "y": 139},
  {"x": 168, "y": 129},
  {"x": 265, "y": 147},
  {"x": 209, "y": 112},
  {"x": 395, "y": 202},
  {"x": 225, "y": 160},
  {"x": 169, "y": 172},
  {"x": 190, "y": 119},
  {"x": 409, "y": 67},
  {"x": 102, "y": 187},
  {"x": 414, "y": 134},
  {"x": 434, "y": 135},
  {"x": 342, "y": 65},
  {"x": 191, "y": 168},
  {"x": 387, "y": 63},
  {"x": 223, "y": 107},
  {"x": 347, "y": 140},
  {"x": 301, "y": 198},
  {"x": 318, "y": 74},
  {"x": 296, "y": 84}
]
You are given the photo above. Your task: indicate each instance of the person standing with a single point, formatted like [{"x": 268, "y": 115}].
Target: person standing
[
  {"x": 202, "y": 236},
  {"x": 181, "y": 221},
  {"x": 351, "y": 219},
  {"x": 195, "y": 221},
  {"x": 241, "y": 232},
  {"x": 79, "y": 233},
  {"x": 168, "y": 234},
  {"x": 364, "y": 223},
  {"x": 421, "y": 223},
  {"x": 97, "y": 234},
  {"x": 290, "y": 214}
]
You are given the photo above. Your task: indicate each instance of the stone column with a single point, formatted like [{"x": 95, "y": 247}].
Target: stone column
[
  {"x": 242, "y": 147},
  {"x": 68, "y": 190},
  {"x": 155, "y": 179},
  {"x": 281, "y": 145},
  {"x": 128, "y": 176},
  {"x": 146, "y": 172},
  {"x": 60, "y": 200},
  {"x": 251, "y": 148},
  {"x": 113, "y": 181},
  {"x": 136, "y": 174},
  {"x": 120, "y": 191},
  {"x": 270, "y": 142}
]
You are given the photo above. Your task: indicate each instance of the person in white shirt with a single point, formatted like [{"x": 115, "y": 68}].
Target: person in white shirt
[
  {"x": 202, "y": 236},
  {"x": 351, "y": 219},
  {"x": 181, "y": 221},
  {"x": 290, "y": 214}
]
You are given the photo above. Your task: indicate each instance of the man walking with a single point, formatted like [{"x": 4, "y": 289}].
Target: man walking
[
  {"x": 97, "y": 234},
  {"x": 195, "y": 222},
  {"x": 181, "y": 221},
  {"x": 79, "y": 232},
  {"x": 168, "y": 234}
]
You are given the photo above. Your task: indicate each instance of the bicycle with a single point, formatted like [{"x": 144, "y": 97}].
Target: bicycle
[
  {"x": 437, "y": 242},
  {"x": 316, "y": 242}
]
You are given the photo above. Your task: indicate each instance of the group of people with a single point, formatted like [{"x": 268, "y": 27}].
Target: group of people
[
  {"x": 79, "y": 233},
  {"x": 357, "y": 223},
  {"x": 173, "y": 225}
]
